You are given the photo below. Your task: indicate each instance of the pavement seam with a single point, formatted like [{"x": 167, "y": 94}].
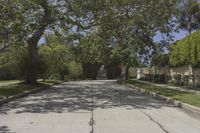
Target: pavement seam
[
  {"x": 154, "y": 121},
  {"x": 92, "y": 121}
]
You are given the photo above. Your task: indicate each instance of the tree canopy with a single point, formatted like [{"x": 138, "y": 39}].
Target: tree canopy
[
  {"x": 119, "y": 29},
  {"x": 180, "y": 50}
]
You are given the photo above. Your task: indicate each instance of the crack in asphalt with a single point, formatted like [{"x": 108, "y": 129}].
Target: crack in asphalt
[
  {"x": 156, "y": 122},
  {"x": 92, "y": 121}
]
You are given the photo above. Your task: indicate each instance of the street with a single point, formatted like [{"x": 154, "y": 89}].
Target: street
[{"x": 94, "y": 107}]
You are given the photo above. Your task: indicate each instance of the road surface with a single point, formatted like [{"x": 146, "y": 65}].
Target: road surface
[{"x": 94, "y": 107}]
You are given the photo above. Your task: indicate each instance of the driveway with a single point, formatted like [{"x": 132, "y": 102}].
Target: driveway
[{"x": 94, "y": 107}]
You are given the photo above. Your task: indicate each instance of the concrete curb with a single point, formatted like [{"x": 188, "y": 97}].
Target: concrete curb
[
  {"x": 157, "y": 96},
  {"x": 21, "y": 95}
]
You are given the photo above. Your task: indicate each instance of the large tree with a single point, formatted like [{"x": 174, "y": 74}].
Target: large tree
[
  {"x": 29, "y": 20},
  {"x": 131, "y": 34},
  {"x": 189, "y": 20},
  {"x": 179, "y": 51},
  {"x": 189, "y": 15}
]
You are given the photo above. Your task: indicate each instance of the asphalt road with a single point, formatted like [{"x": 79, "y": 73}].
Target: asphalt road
[{"x": 94, "y": 107}]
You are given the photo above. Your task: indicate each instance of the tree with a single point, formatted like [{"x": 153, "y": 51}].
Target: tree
[
  {"x": 15, "y": 60},
  {"x": 10, "y": 25},
  {"x": 190, "y": 21},
  {"x": 190, "y": 15},
  {"x": 160, "y": 58},
  {"x": 131, "y": 35},
  {"x": 179, "y": 51},
  {"x": 56, "y": 55},
  {"x": 30, "y": 19},
  {"x": 91, "y": 52}
]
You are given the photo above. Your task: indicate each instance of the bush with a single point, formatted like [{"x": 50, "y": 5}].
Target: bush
[
  {"x": 75, "y": 70},
  {"x": 159, "y": 78},
  {"x": 185, "y": 79},
  {"x": 133, "y": 75},
  {"x": 197, "y": 81},
  {"x": 177, "y": 77},
  {"x": 6, "y": 74},
  {"x": 155, "y": 78},
  {"x": 147, "y": 77}
]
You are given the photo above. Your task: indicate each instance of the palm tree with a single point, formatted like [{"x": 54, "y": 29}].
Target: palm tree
[
  {"x": 190, "y": 15},
  {"x": 190, "y": 21}
]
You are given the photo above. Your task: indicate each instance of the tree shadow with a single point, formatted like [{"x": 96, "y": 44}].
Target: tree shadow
[
  {"x": 72, "y": 97},
  {"x": 5, "y": 129}
]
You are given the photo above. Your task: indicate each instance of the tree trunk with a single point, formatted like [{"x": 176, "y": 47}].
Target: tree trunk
[
  {"x": 191, "y": 79},
  {"x": 127, "y": 72},
  {"x": 32, "y": 73},
  {"x": 31, "y": 76},
  {"x": 62, "y": 77}
]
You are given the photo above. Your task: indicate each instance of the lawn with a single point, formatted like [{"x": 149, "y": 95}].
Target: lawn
[
  {"x": 10, "y": 88},
  {"x": 186, "y": 97}
]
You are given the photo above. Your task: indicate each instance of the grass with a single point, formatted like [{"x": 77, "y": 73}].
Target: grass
[
  {"x": 186, "y": 97},
  {"x": 10, "y": 88},
  {"x": 9, "y": 81}
]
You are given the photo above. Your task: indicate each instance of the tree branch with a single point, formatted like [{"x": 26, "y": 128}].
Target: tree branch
[
  {"x": 46, "y": 19},
  {"x": 4, "y": 48}
]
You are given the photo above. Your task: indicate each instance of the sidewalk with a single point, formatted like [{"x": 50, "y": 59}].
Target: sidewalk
[{"x": 170, "y": 87}]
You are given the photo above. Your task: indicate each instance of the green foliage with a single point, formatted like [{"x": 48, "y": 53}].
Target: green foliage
[
  {"x": 186, "y": 97},
  {"x": 92, "y": 49},
  {"x": 12, "y": 60},
  {"x": 75, "y": 70},
  {"x": 113, "y": 69},
  {"x": 126, "y": 30},
  {"x": 160, "y": 60},
  {"x": 179, "y": 52},
  {"x": 11, "y": 88},
  {"x": 189, "y": 15},
  {"x": 90, "y": 70},
  {"x": 155, "y": 78},
  {"x": 55, "y": 55}
]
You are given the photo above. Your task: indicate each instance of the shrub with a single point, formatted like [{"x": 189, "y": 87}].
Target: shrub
[
  {"x": 133, "y": 75},
  {"x": 155, "y": 78},
  {"x": 6, "y": 74},
  {"x": 75, "y": 70},
  {"x": 185, "y": 79},
  {"x": 177, "y": 77},
  {"x": 159, "y": 78}
]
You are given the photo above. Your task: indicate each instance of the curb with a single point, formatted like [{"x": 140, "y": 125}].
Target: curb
[
  {"x": 21, "y": 95},
  {"x": 157, "y": 96}
]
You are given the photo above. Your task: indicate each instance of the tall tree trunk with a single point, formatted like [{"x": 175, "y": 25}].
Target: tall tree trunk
[
  {"x": 32, "y": 73},
  {"x": 31, "y": 76},
  {"x": 127, "y": 72}
]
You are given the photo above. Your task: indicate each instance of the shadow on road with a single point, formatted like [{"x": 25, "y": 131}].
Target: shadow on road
[
  {"x": 72, "y": 97},
  {"x": 5, "y": 129}
]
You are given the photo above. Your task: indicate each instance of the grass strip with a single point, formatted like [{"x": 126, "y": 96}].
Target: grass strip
[
  {"x": 183, "y": 96},
  {"x": 11, "y": 89}
]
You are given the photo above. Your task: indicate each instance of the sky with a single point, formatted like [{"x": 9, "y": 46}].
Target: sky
[
  {"x": 157, "y": 38},
  {"x": 177, "y": 36}
]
